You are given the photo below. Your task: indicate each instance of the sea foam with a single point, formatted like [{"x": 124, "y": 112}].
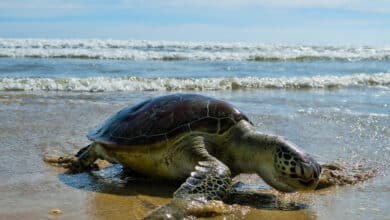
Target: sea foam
[
  {"x": 161, "y": 50},
  {"x": 108, "y": 84}
]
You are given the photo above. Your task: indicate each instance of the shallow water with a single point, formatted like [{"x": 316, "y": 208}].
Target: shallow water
[{"x": 350, "y": 125}]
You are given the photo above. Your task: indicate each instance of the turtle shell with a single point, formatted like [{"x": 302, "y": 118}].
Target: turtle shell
[{"x": 164, "y": 117}]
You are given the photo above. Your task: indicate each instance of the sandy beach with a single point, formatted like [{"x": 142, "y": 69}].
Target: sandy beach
[{"x": 33, "y": 123}]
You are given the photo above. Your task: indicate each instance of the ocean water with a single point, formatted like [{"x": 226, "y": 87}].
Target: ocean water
[{"x": 332, "y": 101}]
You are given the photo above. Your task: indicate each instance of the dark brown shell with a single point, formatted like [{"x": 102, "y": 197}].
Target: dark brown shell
[{"x": 165, "y": 117}]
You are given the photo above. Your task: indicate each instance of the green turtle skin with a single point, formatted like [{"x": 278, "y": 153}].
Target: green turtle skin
[{"x": 200, "y": 140}]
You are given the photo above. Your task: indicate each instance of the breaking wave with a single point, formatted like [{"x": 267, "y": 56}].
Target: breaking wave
[
  {"x": 107, "y": 84},
  {"x": 166, "y": 51}
]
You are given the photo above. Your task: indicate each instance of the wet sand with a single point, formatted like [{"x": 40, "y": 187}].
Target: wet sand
[{"x": 29, "y": 188}]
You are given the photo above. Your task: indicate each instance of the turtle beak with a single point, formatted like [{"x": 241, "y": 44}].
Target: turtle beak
[
  {"x": 307, "y": 170},
  {"x": 310, "y": 168}
]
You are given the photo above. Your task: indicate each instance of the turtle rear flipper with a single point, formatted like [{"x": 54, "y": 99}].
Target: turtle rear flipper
[
  {"x": 211, "y": 180},
  {"x": 87, "y": 158},
  {"x": 82, "y": 161},
  {"x": 58, "y": 159}
]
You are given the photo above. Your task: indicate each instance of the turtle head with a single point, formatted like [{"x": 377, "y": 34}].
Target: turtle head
[
  {"x": 295, "y": 169},
  {"x": 291, "y": 169}
]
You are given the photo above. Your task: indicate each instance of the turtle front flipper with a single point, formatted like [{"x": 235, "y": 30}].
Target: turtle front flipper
[
  {"x": 198, "y": 195},
  {"x": 211, "y": 180}
]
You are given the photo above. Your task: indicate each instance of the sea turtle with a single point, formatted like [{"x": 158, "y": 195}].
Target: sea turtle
[{"x": 200, "y": 140}]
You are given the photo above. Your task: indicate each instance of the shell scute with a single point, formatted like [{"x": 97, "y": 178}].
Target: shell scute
[
  {"x": 209, "y": 125},
  {"x": 225, "y": 124},
  {"x": 220, "y": 109},
  {"x": 179, "y": 130}
]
